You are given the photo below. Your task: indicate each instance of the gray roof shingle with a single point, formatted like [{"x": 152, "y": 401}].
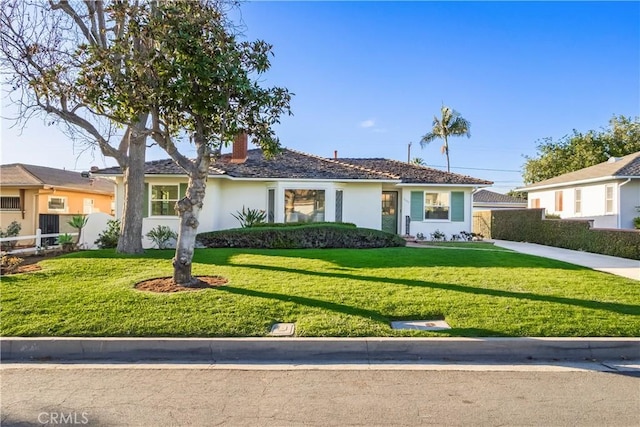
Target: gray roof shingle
[
  {"x": 297, "y": 165},
  {"x": 415, "y": 174},
  {"x": 23, "y": 175},
  {"x": 486, "y": 196}
]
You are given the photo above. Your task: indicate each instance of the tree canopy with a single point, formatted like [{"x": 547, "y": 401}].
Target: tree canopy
[
  {"x": 581, "y": 150},
  {"x": 40, "y": 43},
  {"x": 450, "y": 123},
  {"x": 197, "y": 80}
]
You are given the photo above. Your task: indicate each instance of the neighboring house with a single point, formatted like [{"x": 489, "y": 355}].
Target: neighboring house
[
  {"x": 484, "y": 200},
  {"x": 299, "y": 187},
  {"x": 607, "y": 193},
  {"x": 42, "y": 197}
]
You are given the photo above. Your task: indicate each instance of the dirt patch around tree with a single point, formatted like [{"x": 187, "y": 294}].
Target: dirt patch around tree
[
  {"x": 29, "y": 263},
  {"x": 166, "y": 284}
]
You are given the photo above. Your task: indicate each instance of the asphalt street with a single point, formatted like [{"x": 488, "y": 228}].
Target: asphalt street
[{"x": 183, "y": 395}]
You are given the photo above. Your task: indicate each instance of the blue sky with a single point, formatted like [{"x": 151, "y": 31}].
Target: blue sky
[{"x": 370, "y": 76}]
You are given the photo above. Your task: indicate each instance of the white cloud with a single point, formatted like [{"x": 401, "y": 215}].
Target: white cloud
[{"x": 368, "y": 123}]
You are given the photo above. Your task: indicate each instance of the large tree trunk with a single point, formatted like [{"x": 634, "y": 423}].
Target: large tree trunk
[
  {"x": 189, "y": 210},
  {"x": 130, "y": 240}
]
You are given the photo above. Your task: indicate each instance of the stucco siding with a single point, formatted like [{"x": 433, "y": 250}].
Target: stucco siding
[
  {"x": 362, "y": 204},
  {"x": 29, "y": 223},
  {"x": 74, "y": 202},
  {"x": 446, "y": 226},
  {"x": 233, "y": 195}
]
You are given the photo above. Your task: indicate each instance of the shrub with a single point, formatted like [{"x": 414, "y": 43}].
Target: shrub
[
  {"x": 528, "y": 226},
  {"x": 78, "y": 222},
  {"x": 109, "y": 237},
  {"x": 161, "y": 236},
  {"x": 9, "y": 264},
  {"x": 13, "y": 230},
  {"x": 302, "y": 224},
  {"x": 438, "y": 236},
  {"x": 66, "y": 241},
  {"x": 250, "y": 217},
  {"x": 300, "y": 237},
  {"x": 636, "y": 222}
]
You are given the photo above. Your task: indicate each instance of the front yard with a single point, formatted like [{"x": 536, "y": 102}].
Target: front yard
[{"x": 330, "y": 292}]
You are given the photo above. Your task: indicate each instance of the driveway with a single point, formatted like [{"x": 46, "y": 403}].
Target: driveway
[{"x": 619, "y": 266}]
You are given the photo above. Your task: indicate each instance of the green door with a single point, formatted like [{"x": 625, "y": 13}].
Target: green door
[{"x": 390, "y": 211}]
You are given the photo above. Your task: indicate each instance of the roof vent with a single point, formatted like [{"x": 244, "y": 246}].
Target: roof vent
[{"x": 613, "y": 159}]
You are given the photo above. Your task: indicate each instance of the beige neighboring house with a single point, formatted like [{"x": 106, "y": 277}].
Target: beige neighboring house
[
  {"x": 43, "y": 197},
  {"x": 607, "y": 193}
]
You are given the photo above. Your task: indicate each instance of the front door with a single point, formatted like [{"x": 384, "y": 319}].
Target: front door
[{"x": 390, "y": 211}]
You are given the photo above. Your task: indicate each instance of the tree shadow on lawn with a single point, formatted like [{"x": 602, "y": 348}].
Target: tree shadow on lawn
[
  {"x": 357, "y": 258},
  {"x": 596, "y": 305},
  {"x": 390, "y": 258},
  {"x": 356, "y": 311}
]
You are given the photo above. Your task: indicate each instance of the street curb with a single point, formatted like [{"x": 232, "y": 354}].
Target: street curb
[{"x": 292, "y": 350}]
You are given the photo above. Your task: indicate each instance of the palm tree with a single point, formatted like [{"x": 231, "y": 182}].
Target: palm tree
[
  {"x": 450, "y": 124},
  {"x": 418, "y": 161}
]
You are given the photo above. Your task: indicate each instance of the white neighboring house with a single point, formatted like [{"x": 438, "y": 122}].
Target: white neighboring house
[
  {"x": 299, "y": 187},
  {"x": 607, "y": 193}
]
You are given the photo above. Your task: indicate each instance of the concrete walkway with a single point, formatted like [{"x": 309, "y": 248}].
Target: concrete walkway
[{"x": 619, "y": 266}]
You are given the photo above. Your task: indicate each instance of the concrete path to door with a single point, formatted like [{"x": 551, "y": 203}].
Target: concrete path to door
[{"x": 624, "y": 267}]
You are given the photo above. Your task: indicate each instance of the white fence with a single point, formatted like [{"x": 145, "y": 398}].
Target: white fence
[
  {"x": 96, "y": 224},
  {"x": 38, "y": 246}
]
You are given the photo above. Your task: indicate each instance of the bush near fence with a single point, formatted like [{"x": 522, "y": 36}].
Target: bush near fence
[{"x": 528, "y": 225}]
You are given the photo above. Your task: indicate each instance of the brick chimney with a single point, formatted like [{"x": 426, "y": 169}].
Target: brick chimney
[{"x": 239, "y": 149}]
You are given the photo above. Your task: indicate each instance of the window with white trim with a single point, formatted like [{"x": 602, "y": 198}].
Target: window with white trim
[
  {"x": 436, "y": 205},
  {"x": 608, "y": 199},
  {"x": 577, "y": 201},
  {"x": 304, "y": 205},
  {"x": 57, "y": 204},
  {"x": 558, "y": 201},
  {"x": 10, "y": 203},
  {"x": 163, "y": 200}
]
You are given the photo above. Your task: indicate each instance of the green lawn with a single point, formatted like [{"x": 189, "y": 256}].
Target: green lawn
[{"x": 330, "y": 292}]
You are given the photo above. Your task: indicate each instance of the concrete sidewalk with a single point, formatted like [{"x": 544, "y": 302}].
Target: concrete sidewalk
[
  {"x": 619, "y": 266},
  {"x": 321, "y": 350}
]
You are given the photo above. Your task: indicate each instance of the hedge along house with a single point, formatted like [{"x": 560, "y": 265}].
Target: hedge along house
[
  {"x": 45, "y": 198},
  {"x": 607, "y": 193},
  {"x": 299, "y": 187}
]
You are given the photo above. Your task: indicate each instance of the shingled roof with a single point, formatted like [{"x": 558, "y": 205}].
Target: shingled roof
[
  {"x": 23, "y": 175},
  {"x": 621, "y": 167},
  {"x": 297, "y": 165},
  {"x": 410, "y": 173},
  {"x": 491, "y": 197}
]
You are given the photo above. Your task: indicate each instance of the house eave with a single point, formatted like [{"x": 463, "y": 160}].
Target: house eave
[
  {"x": 534, "y": 187},
  {"x": 369, "y": 181},
  {"x": 426, "y": 184}
]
